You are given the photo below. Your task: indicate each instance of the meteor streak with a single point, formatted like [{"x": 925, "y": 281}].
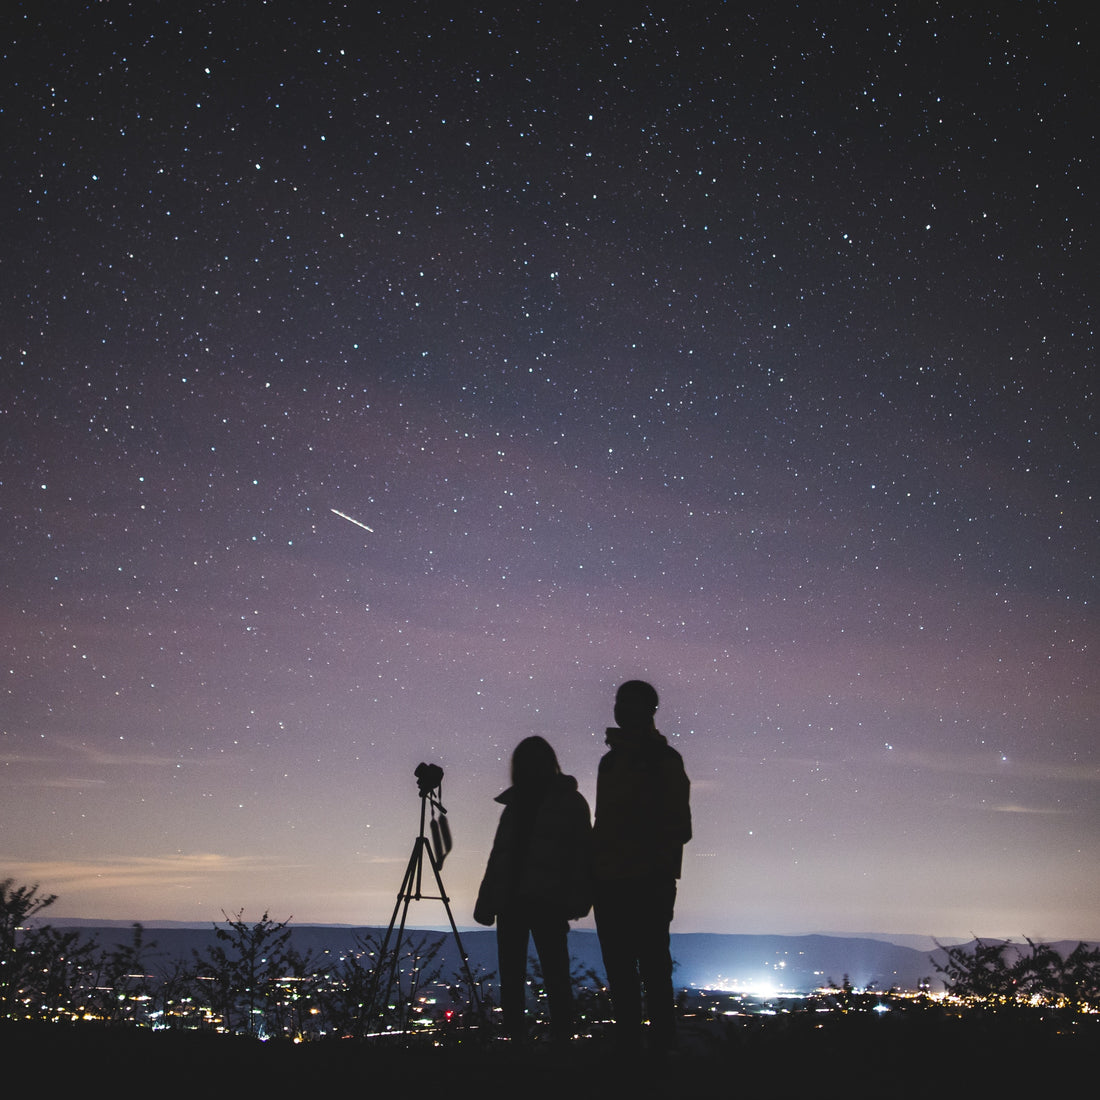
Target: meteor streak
[{"x": 350, "y": 520}]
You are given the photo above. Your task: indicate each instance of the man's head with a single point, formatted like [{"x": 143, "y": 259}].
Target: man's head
[{"x": 635, "y": 705}]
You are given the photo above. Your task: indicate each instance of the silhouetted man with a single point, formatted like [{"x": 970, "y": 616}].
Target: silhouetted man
[{"x": 643, "y": 821}]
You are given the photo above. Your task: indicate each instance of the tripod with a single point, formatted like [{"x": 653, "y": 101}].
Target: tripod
[{"x": 411, "y": 889}]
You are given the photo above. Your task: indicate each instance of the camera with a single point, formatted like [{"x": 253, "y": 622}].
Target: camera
[{"x": 428, "y": 778}]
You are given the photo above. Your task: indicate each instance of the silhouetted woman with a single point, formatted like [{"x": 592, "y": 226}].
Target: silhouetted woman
[{"x": 537, "y": 880}]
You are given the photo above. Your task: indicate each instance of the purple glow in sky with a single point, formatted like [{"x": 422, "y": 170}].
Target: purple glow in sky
[{"x": 749, "y": 353}]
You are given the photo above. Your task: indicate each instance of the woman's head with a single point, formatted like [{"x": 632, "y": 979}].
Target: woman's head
[{"x": 533, "y": 762}]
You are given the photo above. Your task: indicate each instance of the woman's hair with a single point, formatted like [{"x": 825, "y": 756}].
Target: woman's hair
[{"x": 533, "y": 762}]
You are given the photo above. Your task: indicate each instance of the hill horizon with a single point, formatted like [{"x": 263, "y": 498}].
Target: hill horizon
[
  {"x": 764, "y": 965},
  {"x": 915, "y": 940}
]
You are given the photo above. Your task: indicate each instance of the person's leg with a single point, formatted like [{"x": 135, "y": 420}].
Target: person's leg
[
  {"x": 512, "y": 936},
  {"x": 552, "y": 944},
  {"x": 615, "y": 926},
  {"x": 655, "y": 960}
]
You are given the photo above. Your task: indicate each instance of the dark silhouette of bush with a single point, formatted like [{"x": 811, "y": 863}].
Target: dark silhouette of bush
[
  {"x": 243, "y": 975},
  {"x": 44, "y": 973},
  {"x": 1000, "y": 975}
]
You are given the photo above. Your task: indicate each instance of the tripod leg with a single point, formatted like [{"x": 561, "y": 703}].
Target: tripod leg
[
  {"x": 404, "y": 895},
  {"x": 454, "y": 929}
]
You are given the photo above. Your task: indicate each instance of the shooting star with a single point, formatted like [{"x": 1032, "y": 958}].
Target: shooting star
[{"x": 350, "y": 520}]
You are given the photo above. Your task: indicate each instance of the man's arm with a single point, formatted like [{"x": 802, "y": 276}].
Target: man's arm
[{"x": 677, "y": 799}]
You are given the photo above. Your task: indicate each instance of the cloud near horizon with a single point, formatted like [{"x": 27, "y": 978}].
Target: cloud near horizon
[{"x": 161, "y": 872}]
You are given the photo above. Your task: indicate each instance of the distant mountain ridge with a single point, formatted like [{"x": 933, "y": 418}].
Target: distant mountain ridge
[{"x": 703, "y": 960}]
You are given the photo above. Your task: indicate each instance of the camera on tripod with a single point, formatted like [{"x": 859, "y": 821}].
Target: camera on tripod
[{"x": 428, "y": 778}]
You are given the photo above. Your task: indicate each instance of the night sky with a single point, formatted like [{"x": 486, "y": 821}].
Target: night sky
[{"x": 744, "y": 349}]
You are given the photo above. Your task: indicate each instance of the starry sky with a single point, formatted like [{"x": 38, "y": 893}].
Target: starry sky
[{"x": 746, "y": 349}]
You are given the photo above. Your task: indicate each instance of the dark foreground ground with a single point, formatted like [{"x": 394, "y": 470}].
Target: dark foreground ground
[{"x": 845, "y": 1056}]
